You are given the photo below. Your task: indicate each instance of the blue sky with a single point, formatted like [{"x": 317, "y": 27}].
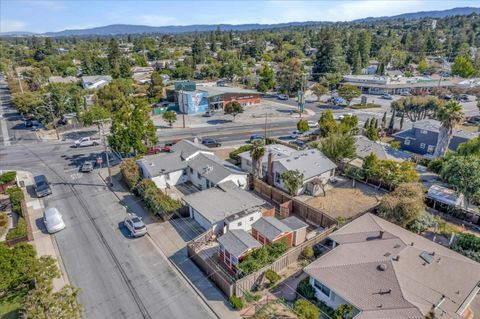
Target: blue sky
[{"x": 42, "y": 16}]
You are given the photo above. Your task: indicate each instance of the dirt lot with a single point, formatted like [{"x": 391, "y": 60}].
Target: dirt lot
[{"x": 344, "y": 201}]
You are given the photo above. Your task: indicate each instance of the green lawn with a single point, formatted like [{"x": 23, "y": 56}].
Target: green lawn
[
  {"x": 10, "y": 305},
  {"x": 362, "y": 106}
]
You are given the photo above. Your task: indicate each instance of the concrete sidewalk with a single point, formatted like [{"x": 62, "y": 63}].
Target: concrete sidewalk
[{"x": 44, "y": 243}]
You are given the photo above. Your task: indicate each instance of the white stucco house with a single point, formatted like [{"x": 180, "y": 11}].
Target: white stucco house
[
  {"x": 312, "y": 163},
  {"x": 192, "y": 162},
  {"x": 277, "y": 151}
]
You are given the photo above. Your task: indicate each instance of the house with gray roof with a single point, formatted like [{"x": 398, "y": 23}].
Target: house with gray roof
[
  {"x": 226, "y": 207},
  {"x": 298, "y": 227},
  {"x": 364, "y": 147},
  {"x": 269, "y": 230},
  {"x": 92, "y": 82},
  {"x": 311, "y": 163},
  {"x": 276, "y": 150},
  {"x": 234, "y": 246},
  {"x": 422, "y": 137},
  {"x": 190, "y": 161},
  {"x": 385, "y": 271}
]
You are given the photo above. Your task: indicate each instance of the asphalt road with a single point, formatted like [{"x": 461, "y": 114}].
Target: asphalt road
[{"x": 119, "y": 277}]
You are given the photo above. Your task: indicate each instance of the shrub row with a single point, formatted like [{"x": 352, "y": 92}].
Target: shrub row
[
  {"x": 156, "y": 200},
  {"x": 7, "y": 177},
  {"x": 16, "y": 196},
  {"x": 261, "y": 257},
  {"x": 19, "y": 231}
]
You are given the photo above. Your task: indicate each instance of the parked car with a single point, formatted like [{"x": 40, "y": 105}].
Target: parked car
[
  {"x": 256, "y": 137},
  {"x": 463, "y": 98},
  {"x": 41, "y": 186},
  {"x": 336, "y": 100},
  {"x": 153, "y": 150},
  {"x": 300, "y": 144},
  {"x": 387, "y": 97},
  {"x": 447, "y": 97},
  {"x": 295, "y": 134},
  {"x": 406, "y": 93},
  {"x": 53, "y": 220},
  {"x": 35, "y": 127},
  {"x": 312, "y": 124},
  {"x": 87, "y": 141},
  {"x": 135, "y": 225},
  {"x": 87, "y": 167},
  {"x": 473, "y": 119},
  {"x": 210, "y": 142},
  {"x": 282, "y": 97},
  {"x": 31, "y": 122},
  {"x": 342, "y": 116},
  {"x": 207, "y": 114}
]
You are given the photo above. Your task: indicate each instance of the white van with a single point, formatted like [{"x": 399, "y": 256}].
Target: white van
[{"x": 53, "y": 220}]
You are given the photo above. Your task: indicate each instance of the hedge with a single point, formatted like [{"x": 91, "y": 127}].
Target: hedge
[
  {"x": 261, "y": 257},
  {"x": 234, "y": 155},
  {"x": 16, "y": 196},
  {"x": 7, "y": 177},
  {"x": 130, "y": 173},
  {"x": 156, "y": 200},
  {"x": 237, "y": 303},
  {"x": 272, "y": 276},
  {"x": 19, "y": 231},
  {"x": 306, "y": 310}
]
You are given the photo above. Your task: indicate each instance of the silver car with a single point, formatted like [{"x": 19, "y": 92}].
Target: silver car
[
  {"x": 53, "y": 220},
  {"x": 135, "y": 225},
  {"x": 87, "y": 167}
]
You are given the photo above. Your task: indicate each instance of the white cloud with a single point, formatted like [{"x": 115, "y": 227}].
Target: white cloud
[{"x": 7, "y": 25}]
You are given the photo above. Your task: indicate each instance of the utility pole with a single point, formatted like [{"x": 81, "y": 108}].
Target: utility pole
[
  {"x": 266, "y": 116},
  {"x": 49, "y": 107},
  {"x": 104, "y": 141},
  {"x": 301, "y": 94},
  {"x": 19, "y": 81}
]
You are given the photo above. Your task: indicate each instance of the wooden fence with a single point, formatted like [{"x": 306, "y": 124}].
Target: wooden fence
[
  {"x": 226, "y": 283},
  {"x": 249, "y": 282},
  {"x": 309, "y": 213}
]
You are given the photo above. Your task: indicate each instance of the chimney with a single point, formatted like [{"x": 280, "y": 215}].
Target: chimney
[{"x": 270, "y": 169}]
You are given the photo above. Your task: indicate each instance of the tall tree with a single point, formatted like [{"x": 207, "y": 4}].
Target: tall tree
[
  {"x": 233, "y": 108},
  {"x": 319, "y": 90},
  {"x": 329, "y": 58},
  {"x": 463, "y": 174},
  {"x": 449, "y": 115},
  {"x": 327, "y": 124},
  {"x": 155, "y": 88},
  {"x": 463, "y": 67},
  {"x": 289, "y": 76},
  {"x": 198, "y": 50},
  {"x": 267, "y": 78},
  {"x": 257, "y": 152},
  {"x": 349, "y": 92},
  {"x": 338, "y": 146},
  {"x": 292, "y": 180}
]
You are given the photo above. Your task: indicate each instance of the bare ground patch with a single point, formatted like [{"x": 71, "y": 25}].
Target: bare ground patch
[{"x": 346, "y": 201}]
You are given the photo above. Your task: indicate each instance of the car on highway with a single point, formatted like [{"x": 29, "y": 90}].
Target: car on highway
[
  {"x": 387, "y": 97},
  {"x": 282, "y": 97},
  {"x": 53, "y": 220},
  {"x": 41, "y": 186},
  {"x": 87, "y": 141},
  {"x": 210, "y": 142},
  {"x": 312, "y": 124},
  {"x": 87, "y": 167},
  {"x": 256, "y": 137},
  {"x": 135, "y": 225},
  {"x": 295, "y": 134}
]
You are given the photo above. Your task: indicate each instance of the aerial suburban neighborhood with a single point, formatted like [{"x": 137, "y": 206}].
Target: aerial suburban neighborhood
[{"x": 230, "y": 159}]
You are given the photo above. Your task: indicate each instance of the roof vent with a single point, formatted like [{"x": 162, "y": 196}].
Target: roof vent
[
  {"x": 428, "y": 258},
  {"x": 397, "y": 258},
  {"x": 396, "y": 246},
  {"x": 386, "y": 254},
  {"x": 382, "y": 267}
]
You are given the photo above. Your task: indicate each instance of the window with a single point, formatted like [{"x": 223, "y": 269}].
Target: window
[
  {"x": 233, "y": 259},
  {"x": 325, "y": 290},
  {"x": 277, "y": 177},
  {"x": 431, "y": 149},
  {"x": 422, "y": 145},
  {"x": 407, "y": 142},
  {"x": 423, "y": 131},
  {"x": 239, "y": 224}
]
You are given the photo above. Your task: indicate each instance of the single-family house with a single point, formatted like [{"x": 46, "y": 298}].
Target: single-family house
[
  {"x": 276, "y": 151},
  {"x": 385, "y": 271},
  {"x": 190, "y": 161},
  {"x": 234, "y": 246},
  {"x": 311, "y": 163},
  {"x": 422, "y": 137},
  {"x": 364, "y": 147},
  {"x": 298, "y": 227},
  {"x": 91, "y": 82},
  {"x": 269, "y": 230},
  {"x": 142, "y": 75},
  {"x": 63, "y": 79},
  {"x": 227, "y": 207},
  {"x": 444, "y": 199}
]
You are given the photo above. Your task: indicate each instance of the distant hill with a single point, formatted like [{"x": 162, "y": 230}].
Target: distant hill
[
  {"x": 426, "y": 14},
  {"x": 118, "y": 29}
]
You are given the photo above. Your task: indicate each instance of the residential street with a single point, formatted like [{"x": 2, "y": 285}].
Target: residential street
[{"x": 119, "y": 277}]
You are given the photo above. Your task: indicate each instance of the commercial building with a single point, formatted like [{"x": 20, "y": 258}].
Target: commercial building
[
  {"x": 385, "y": 271},
  {"x": 192, "y": 98},
  {"x": 375, "y": 84}
]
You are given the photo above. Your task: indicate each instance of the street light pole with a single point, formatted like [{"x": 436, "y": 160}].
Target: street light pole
[
  {"x": 105, "y": 149},
  {"x": 49, "y": 107}
]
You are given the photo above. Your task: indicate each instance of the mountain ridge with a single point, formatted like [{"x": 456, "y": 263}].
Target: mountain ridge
[{"x": 123, "y": 29}]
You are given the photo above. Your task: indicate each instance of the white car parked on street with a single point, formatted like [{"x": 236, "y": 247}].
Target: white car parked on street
[
  {"x": 53, "y": 220},
  {"x": 135, "y": 225}
]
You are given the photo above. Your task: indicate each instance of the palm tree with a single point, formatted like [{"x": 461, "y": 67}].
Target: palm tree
[
  {"x": 257, "y": 152},
  {"x": 449, "y": 115}
]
